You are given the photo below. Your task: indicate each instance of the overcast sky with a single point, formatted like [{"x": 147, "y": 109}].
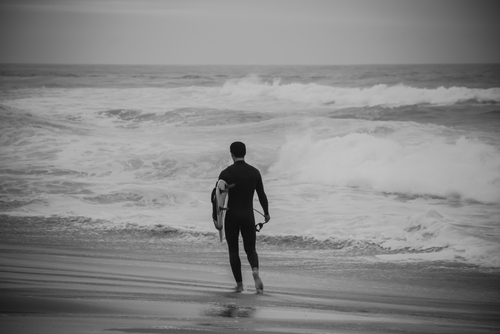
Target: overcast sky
[{"x": 249, "y": 31}]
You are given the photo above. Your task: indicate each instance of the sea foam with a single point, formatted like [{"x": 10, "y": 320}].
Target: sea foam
[
  {"x": 381, "y": 94},
  {"x": 465, "y": 169},
  {"x": 246, "y": 94}
]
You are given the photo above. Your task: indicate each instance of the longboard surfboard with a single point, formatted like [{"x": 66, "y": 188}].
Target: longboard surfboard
[{"x": 221, "y": 207}]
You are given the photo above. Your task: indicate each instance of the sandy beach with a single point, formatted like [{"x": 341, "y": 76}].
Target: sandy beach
[{"x": 58, "y": 278}]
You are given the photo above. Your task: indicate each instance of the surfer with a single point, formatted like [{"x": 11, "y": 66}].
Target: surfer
[{"x": 239, "y": 217}]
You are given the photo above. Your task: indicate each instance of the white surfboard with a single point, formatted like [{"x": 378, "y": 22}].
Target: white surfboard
[{"x": 221, "y": 202}]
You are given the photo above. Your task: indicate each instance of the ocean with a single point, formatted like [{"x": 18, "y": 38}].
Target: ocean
[{"x": 398, "y": 162}]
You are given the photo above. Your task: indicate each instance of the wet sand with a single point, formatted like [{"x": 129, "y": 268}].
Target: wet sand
[{"x": 56, "y": 278}]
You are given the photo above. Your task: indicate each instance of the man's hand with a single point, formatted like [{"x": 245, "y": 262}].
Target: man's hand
[
  {"x": 259, "y": 226},
  {"x": 229, "y": 186}
]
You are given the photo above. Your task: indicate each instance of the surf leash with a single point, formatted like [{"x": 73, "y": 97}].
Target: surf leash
[{"x": 259, "y": 226}]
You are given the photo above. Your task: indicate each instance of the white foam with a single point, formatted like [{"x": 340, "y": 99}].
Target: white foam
[
  {"x": 465, "y": 168},
  {"x": 248, "y": 94},
  {"x": 444, "y": 240},
  {"x": 383, "y": 95}
]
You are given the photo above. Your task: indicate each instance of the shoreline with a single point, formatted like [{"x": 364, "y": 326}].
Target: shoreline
[{"x": 75, "y": 280}]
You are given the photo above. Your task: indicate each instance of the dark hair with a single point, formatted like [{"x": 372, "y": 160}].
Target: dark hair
[{"x": 238, "y": 149}]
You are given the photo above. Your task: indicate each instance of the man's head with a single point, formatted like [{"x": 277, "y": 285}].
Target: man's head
[{"x": 238, "y": 149}]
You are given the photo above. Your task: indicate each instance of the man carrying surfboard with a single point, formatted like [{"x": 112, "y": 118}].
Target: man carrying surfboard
[{"x": 243, "y": 180}]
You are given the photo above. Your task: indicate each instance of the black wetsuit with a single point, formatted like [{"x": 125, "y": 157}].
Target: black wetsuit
[{"x": 239, "y": 216}]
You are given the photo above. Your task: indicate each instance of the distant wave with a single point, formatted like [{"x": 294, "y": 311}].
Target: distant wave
[
  {"x": 184, "y": 116},
  {"x": 141, "y": 104},
  {"x": 194, "y": 77},
  {"x": 377, "y": 95},
  {"x": 20, "y": 127},
  {"x": 37, "y": 73}
]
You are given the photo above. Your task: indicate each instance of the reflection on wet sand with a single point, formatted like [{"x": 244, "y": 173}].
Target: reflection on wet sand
[{"x": 231, "y": 310}]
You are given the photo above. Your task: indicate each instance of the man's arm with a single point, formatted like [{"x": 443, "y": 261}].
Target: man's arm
[
  {"x": 263, "y": 198},
  {"x": 223, "y": 177}
]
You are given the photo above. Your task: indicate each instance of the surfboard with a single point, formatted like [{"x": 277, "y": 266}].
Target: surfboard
[{"x": 221, "y": 207}]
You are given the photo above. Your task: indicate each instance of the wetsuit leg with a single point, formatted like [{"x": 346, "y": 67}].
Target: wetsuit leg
[
  {"x": 232, "y": 231},
  {"x": 249, "y": 236}
]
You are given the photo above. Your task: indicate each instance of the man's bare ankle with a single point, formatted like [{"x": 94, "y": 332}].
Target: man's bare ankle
[
  {"x": 239, "y": 287},
  {"x": 259, "y": 286}
]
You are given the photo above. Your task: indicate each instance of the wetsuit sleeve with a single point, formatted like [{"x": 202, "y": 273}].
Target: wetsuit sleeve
[
  {"x": 262, "y": 196},
  {"x": 222, "y": 176}
]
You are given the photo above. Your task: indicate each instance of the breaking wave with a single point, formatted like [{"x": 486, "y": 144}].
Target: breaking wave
[
  {"x": 464, "y": 169},
  {"x": 377, "y": 95}
]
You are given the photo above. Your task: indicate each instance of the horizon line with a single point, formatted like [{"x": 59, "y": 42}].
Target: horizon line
[{"x": 229, "y": 64}]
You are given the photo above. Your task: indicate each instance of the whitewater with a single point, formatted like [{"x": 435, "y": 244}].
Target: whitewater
[{"x": 401, "y": 162}]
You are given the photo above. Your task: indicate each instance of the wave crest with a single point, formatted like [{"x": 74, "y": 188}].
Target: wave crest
[{"x": 377, "y": 95}]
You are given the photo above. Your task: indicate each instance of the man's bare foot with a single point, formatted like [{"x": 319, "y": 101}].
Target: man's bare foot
[
  {"x": 239, "y": 287},
  {"x": 259, "y": 286}
]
